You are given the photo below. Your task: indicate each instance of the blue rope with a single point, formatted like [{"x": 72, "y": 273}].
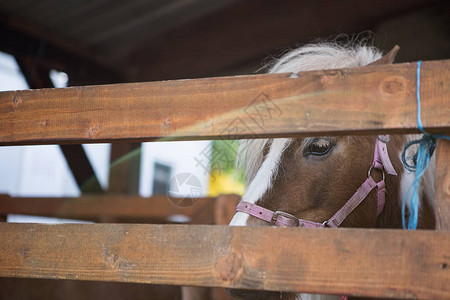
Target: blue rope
[{"x": 427, "y": 144}]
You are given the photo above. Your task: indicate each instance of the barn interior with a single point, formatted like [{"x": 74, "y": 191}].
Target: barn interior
[{"x": 106, "y": 42}]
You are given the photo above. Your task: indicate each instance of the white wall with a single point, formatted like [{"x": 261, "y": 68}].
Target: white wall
[
  {"x": 99, "y": 157},
  {"x": 10, "y": 75},
  {"x": 181, "y": 156}
]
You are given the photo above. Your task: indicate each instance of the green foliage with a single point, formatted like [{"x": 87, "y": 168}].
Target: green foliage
[{"x": 223, "y": 158}]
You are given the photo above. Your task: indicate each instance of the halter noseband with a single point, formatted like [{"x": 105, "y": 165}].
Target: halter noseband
[{"x": 380, "y": 162}]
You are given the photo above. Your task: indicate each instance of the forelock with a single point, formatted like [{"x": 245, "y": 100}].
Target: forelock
[
  {"x": 325, "y": 56},
  {"x": 307, "y": 58}
]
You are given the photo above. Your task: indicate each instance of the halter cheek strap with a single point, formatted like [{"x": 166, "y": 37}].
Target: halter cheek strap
[
  {"x": 381, "y": 162},
  {"x": 381, "y": 157}
]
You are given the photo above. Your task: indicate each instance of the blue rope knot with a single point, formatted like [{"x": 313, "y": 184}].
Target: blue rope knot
[
  {"x": 421, "y": 159},
  {"x": 427, "y": 143}
]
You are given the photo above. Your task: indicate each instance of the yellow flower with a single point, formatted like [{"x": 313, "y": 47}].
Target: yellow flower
[{"x": 224, "y": 183}]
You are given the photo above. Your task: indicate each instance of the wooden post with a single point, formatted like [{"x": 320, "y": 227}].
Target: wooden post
[
  {"x": 224, "y": 208},
  {"x": 124, "y": 171},
  {"x": 442, "y": 185}
]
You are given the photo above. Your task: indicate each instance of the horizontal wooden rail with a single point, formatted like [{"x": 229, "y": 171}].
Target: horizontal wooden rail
[
  {"x": 378, "y": 263},
  {"x": 366, "y": 100},
  {"x": 118, "y": 207}
]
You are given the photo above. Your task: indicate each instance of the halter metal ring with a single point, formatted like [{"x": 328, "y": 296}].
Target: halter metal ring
[
  {"x": 370, "y": 170},
  {"x": 286, "y": 215},
  {"x": 384, "y": 138}
]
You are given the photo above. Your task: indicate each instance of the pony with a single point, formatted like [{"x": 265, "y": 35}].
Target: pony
[{"x": 307, "y": 180}]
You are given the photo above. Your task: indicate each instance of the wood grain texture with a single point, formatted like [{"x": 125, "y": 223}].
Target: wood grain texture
[
  {"x": 442, "y": 185},
  {"x": 336, "y": 102},
  {"x": 37, "y": 76},
  {"x": 110, "y": 207},
  {"x": 378, "y": 263}
]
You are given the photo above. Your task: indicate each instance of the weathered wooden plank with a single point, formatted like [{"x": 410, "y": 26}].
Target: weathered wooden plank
[
  {"x": 348, "y": 101},
  {"x": 442, "y": 185},
  {"x": 121, "y": 207},
  {"x": 38, "y": 77},
  {"x": 379, "y": 263}
]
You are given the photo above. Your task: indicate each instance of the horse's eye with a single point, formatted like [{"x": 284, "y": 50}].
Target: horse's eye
[{"x": 318, "y": 147}]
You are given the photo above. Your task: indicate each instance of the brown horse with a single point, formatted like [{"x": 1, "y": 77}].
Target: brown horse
[{"x": 308, "y": 181}]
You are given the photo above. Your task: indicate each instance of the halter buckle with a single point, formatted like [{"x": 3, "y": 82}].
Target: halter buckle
[{"x": 286, "y": 215}]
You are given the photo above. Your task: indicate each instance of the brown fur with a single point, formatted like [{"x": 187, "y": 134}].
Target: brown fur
[
  {"x": 324, "y": 184},
  {"x": 315, "y": 187}
]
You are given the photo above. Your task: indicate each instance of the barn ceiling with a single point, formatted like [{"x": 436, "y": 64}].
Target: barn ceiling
[{"x": 105, "y": 41}]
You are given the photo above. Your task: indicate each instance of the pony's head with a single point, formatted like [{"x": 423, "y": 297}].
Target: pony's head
[{"x": 313, "y": 178}]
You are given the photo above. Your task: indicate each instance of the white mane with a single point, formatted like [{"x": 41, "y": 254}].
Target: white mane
[{"x": 307, "y": 58}]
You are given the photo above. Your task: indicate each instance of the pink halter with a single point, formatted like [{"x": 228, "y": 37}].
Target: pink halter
[{"x": 381, "y": 162}]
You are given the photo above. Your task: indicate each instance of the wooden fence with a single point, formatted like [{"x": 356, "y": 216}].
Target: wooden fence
[
  {"x": 369, "y": 100},
  {"x": 109, "y": 208},
  {"x": 337, "y": 102}
]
